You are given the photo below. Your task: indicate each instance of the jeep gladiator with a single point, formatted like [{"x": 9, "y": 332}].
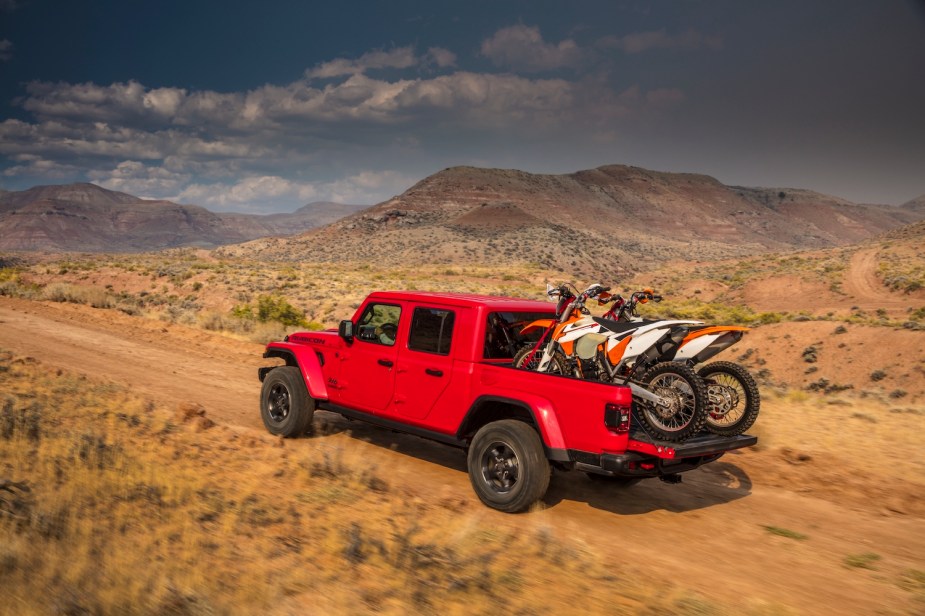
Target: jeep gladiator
[{"x": 438, "y": 365}]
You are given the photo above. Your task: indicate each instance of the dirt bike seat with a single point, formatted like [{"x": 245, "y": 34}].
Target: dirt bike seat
[{"x": 618, "y": 327}]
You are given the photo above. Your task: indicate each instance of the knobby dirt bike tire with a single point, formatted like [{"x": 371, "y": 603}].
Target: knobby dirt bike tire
[
  {"x": 556, "y": 366},
  {"x": 742, "y": 396},
  {"x": 689, "y": 416}
]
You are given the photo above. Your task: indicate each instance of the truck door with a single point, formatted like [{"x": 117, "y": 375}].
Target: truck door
[
  {"x": 425, "y": 363},
  {"x": 367, "y": 372}
]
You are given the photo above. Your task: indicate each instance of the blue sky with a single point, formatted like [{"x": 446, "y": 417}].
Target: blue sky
[{"x": 240, "y": 106}]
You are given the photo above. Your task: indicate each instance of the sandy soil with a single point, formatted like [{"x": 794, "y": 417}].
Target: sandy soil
[{"x": 844, "y": 472}]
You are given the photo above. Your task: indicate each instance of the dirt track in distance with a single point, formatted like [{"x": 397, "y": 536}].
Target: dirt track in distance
[{"x": 709, "y": 534}]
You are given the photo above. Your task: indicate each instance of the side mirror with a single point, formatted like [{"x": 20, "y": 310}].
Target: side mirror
[{"x": 345, "y": 330}]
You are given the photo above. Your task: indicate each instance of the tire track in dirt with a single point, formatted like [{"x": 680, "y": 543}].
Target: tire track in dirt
[
  {"x": 862, "y": 283},
  {"x": 173, "y": 366}
]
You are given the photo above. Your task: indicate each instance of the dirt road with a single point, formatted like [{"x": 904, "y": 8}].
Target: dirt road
[
  {"x": 863, "y": 285},
  {"x": 767, "y": 531}
]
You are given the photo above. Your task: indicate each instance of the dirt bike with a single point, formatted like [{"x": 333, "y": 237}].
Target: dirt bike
[
  {"x": 535, "y": 357},
  {"x": 670, "y": 396},
  {"x": 734, "y": 401}
]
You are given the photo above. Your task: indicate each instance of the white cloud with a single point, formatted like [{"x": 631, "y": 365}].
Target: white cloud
[
  {"x": 164, "y": 101},
  {"x": 101, "y": 139},
  {"x": 367, "y": 187},
  {"x": 33, "y": 166},
  {"x": 486, "y": 100},
  {"x": 660, "y": 39},
  {"x": 6, "y": 50},
  {"x": 362, "y": 99},
  {"x": 523, "y": 48},
  {"x": 401, "y": 57},
  {"x": 269, "y": 192},
  {"x": 258, "y": 193},
  {"x": 141, "y": 180},
  {"x": 84, "y": 101},
  {"x": 441, "y": 57}
]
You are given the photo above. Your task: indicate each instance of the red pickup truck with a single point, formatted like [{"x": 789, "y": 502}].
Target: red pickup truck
[{"x": 438, "y": 365}]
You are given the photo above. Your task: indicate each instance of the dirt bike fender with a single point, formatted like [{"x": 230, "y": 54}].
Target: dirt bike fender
[
  {"x": 539, "y": 324},
  {"x": 716, "y": 329}
]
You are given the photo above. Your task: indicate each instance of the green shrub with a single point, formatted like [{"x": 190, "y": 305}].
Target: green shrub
[
  {"x": 725, "y": 314},
  {"x": 276, "y": 308},
  {"x": 271, "y": 308}
]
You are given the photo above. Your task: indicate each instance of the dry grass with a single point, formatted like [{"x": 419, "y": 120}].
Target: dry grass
[
  {"x": 128, "y": 508},
  {"x": 228, "y": 295},
  {"x": 902, "y": 266}
]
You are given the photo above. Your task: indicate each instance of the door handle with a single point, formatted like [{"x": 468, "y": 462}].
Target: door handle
[
  {"x": 388, "y": 363},
  {"x": 433, "y": 372}
]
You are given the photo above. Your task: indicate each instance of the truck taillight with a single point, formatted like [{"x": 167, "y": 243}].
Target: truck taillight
[{"x": 617, "y": 417}]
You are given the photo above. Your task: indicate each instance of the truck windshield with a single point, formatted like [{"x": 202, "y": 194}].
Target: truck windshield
[{"x": 503, "y": 335}]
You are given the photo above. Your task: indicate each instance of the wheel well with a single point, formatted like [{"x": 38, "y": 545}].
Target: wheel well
[
  {"x": 287, "y": 355},
  {"x": 485, "y": 411}
]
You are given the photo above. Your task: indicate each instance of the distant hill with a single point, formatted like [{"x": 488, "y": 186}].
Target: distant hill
[
  {"x": 914, "y": 232},
  {"x": 917, "y": 204},
  {"x": 610, "y": 219},
  {"x": 87, "y": 217}
]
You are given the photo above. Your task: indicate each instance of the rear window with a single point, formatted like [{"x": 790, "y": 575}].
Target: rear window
[
  {"x": 431, "y": 330},
  {"x": 503, "y": 336}
]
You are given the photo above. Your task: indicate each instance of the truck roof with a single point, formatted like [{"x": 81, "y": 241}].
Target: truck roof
[{"x": 469, "y": 300}]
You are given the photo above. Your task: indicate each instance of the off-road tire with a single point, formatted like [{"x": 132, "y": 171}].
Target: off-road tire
[
  {"x": 687, "y": 420},
  {"x": 285, "y": 406},
  {"x": 556, "y": 366},
  {"x": 746, "y": 399},
  {"x": 508, "y": 466}
]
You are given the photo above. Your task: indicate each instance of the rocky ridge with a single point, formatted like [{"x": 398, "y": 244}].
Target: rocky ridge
[{"x": 613, "y": 218}]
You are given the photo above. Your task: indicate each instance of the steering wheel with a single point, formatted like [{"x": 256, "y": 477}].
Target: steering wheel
[{"x": 388, "y": 330}]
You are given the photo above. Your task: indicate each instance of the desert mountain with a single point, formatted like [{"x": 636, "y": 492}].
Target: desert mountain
[
  {"x": 86, "y": 217},
  {"x": 601, "y": 220},
  {"x": 917, "y": 204}
]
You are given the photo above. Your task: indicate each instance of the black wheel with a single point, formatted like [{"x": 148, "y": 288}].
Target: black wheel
[
  {"x": 528, "y": 359},
  {"x": 507, "y": 465},
  {"x": 285, "y": 406},
  {"x": 614, "y": 480},
  {"x": 685, "y": 394},
  {"x": 733, "y": 398}
]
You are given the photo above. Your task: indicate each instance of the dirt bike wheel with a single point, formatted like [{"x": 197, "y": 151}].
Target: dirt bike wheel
[
  {"x": 556, "y": 366},
  {"x": 733, "y": 399},
  {"x": 687, "y": 394}
]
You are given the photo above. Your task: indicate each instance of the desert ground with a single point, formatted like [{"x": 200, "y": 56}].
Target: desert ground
[{"x": 129, "y": 392}]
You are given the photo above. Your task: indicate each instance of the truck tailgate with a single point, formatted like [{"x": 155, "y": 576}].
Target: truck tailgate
[{"x": 700, "y": 445}]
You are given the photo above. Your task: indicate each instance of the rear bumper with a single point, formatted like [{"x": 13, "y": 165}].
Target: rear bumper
[
  {"x": 636, "y": 465},
  {"x": 673, "y": 458}
]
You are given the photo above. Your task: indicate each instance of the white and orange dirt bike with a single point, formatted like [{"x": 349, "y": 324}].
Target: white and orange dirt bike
[
  {"x": 733, "y": 399},
  {"x": 674, "y": 401}
]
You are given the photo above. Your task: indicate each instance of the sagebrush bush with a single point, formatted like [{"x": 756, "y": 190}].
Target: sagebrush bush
[
  {"x": 271, "y": 308},
  {"x": 76, "y": 294},
  {"x": 726, "y": 314}
]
